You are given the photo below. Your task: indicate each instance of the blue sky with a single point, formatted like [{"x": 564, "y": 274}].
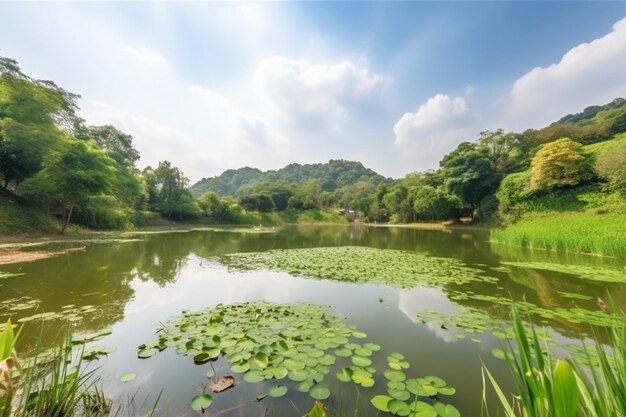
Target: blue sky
[{"x": 212, "y": 86}]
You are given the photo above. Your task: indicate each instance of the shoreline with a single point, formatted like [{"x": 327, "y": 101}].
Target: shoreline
[{"x": 35, "y": 237}]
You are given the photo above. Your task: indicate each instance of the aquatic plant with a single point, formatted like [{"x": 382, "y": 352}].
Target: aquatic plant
[
  {"x": 296, "y": 344},
  {"x": 584, "y": 232},
  {"x": 562, "y": 388},
  {"x": 396, "y": 268}
]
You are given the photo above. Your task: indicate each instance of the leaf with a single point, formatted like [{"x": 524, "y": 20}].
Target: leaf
[
  {"x": 223, "y": 384},
  {"x": 399, "y": 408},
  {"x": 380, "y": 402},
  {"x": 318, "y": 410},
  {"x": 319, "y": 392},
  {"x": 7, "y": 341},
  {"x": 277, "y": 391},
  {"x": 201, "y": 402},
  {"x": 448, "y": 410},
  {"x": 565, "y": 391},
  {"x": 128, "y": 377}
]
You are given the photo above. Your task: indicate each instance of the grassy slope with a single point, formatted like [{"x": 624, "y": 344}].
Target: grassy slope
[
  {"x": 16, "y": 218},
  {"x": 582, "y": 219}
]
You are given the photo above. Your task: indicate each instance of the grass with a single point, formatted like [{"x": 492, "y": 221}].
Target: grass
[
  {"x": 583, "y": 232},
  {"x": 16, "y": 218},
  {"x": 561, "y": 388}
]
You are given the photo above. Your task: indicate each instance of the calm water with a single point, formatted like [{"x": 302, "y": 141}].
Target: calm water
[{"x": 135, "y": 285}]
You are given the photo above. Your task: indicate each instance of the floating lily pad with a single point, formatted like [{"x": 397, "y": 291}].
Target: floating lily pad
[
  {"x": 201, "y": 402},
  {"x": 128, "y": 377},
  {"x": 446, "y": 410},
  {"x": 319, "y": 392},
  {"x": 381, "y": 402},
  {"x": 277, "y": 391}
]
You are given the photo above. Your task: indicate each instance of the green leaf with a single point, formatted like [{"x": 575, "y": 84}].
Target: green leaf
[
  {"x": 201, "y": 402},
  {"x": 380, "y": 402},
  {"x": 399, "y": 408},
  {"x": 422, "y": 409},
  {"x": 318, "y": 410},
  {"x": 448, "y": 410},
  {"x": 128, "y": 377},
  {"x": 565, "y": 391},
  {"x": 319, "y": 392},
  {"x": 277, "y": 391}
]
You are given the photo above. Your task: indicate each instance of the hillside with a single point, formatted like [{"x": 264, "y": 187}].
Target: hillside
[
  {"x": 593, "y": 124},
  {"x": 16, "y": 218},
  {"x": 332, "y": 175}
]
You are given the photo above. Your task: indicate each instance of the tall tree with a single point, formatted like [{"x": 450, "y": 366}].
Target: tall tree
[
  {"x": 557, "y": 164},
  {"x": 70, "y": 176},
  {"x": 468, "y": 174}
]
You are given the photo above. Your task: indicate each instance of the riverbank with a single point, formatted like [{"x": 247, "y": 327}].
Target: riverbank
[{"x": 590, "y": 232}]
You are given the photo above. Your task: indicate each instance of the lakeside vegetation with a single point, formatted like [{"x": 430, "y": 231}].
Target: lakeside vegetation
[{"x": 57, "y": 172}]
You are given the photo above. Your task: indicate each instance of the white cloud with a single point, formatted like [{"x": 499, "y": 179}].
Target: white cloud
[
  {"x": 590, "y": 73},
  {"x": 439, "y": 114},
  {"x": 315, "y": 95},
  {"x": 433, "y": 130}
]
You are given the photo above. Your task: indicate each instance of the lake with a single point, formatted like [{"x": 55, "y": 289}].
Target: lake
[{"x": 439, "y": 298}]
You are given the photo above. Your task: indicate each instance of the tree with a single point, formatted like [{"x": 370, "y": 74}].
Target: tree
[
  {"x": 611, "y": 166},
  {"x": 557, "y": 164},
  {"x": 31, "y": 114},
  {"x": 71, "y": 176},
  {"x": 468, "y": 174},
  {"x": 431, "y": 203}
]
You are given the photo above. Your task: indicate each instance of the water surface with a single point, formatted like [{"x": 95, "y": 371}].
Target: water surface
[{"x": 134, "y": 285}]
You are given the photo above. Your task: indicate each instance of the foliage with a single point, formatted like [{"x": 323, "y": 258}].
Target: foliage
[
  {"x": 557, "y": 164},
  {"x": 469, "y": 174},
  {"x": 331, "y": 176},
  {"x": 359, "y": 264},
  {"x": 545, "y": 387},
  {"x": 71, "y": 176},
  {"x": 31, "y": 114},
  {"x": 586, "y": 232},
  {"x": 435, "y": 204},
  {"x": 167, "y": 193},
  {"x": 611, "y": 166},
  {"x": 513, "y": 189}
]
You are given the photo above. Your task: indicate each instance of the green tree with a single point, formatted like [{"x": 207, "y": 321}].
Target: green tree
[
  {"x": 611, "y": 166},
  {"x": 431, "y": 203},
  {"x": 557, "y": 164},
  {"x": 32, "y": 113},
  {"x": 468, "y": 174},
  {"x": 70, "y": 176}
]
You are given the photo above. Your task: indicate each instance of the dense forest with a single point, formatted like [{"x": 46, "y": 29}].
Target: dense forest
[{"x": 52, "y": 161}]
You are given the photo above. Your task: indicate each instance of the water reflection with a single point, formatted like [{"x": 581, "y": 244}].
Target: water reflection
[{"x": 135, "y": 285}]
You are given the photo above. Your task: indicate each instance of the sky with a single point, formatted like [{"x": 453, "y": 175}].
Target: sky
[{"x": 211, "y": 86}]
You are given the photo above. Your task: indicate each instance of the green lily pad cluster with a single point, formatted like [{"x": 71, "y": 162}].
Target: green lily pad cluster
[
  {"x": 401, "y": 269},
  {"x": 587, "y": 272},
  {"x": 573, "y": 315},
  {"x": 406, "y": 396},
  {"x": 266, "y": 341}
]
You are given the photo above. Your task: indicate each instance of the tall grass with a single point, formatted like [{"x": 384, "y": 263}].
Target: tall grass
[
  {"x": 586, "y": 232},
  {"x": 60, "y": 388},
  {"x": 557, "y": 388}
]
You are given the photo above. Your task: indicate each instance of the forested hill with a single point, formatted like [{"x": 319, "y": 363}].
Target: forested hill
[
  {"x": 332, "y": 175},
  {"x": 593, "y": 124}
]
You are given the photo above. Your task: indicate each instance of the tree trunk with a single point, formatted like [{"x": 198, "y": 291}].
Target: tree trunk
[{"x": 66, "y": 219}]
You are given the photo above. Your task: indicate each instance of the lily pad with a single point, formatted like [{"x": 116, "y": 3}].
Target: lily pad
[
  {"x": 319, "y": 392},
  {"x": 128, "y": 377},
  {"x": 277, "y": 391},
  {"x": 381, "y": 402},
  {"x": 201, "y": 402}
]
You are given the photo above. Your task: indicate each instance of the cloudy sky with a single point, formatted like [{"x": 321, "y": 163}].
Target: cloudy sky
[{"x": 212, "y": 86}]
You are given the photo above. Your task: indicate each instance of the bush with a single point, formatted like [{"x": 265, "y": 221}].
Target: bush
[
  {"x": 514, "y": 189},
  {"x": 557, "y": 164},
  {"x": 611, "y": 166}
]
